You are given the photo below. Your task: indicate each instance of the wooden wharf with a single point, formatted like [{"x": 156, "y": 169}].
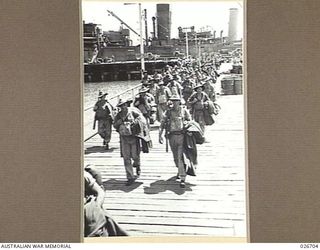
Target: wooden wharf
[
  {"x": 126, "y": 70},
  {"x": 211, "y": 204}
]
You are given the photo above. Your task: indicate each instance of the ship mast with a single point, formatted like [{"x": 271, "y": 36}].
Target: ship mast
[
  {"x": 140, "y": 35},
  {"x": 141, "y": 42}
]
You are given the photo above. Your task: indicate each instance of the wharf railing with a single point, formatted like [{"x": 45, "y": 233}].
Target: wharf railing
[{"x": 113, "y": 100}]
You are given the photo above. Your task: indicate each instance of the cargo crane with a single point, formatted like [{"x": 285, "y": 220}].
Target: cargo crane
[
  {"x": 139, "y": 35},
  {"x": 124, "y": 23}
]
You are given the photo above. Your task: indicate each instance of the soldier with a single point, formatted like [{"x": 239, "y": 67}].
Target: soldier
[
  {"x": 167, "y": 69},
  {"x": 97, "y": 221},
  {"x": 162, "y": 97},
  {"x": 153, "y": 87},
  {"x": 209, "y": 89},
  {"x": 145, "y": 79},
  {"x": 187, "y": 91},
  {"x": 173, "y": 121},
  {"x": 198, "y": 101},
  {"x": 157, "y": 77},
  {"x": 174, "y": 86},
  {"x": 176, "y": 77},
  {"x": 144, "y": 102},
  {"x": 129, "y": 143},
  {"x": 183, "y": 74},
  {"x": 145, "y": 76},
  {"x": 104, "y": 115}
]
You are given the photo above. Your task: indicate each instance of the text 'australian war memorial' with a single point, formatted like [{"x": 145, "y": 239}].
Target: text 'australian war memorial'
[{"x": 163, "y": 120}]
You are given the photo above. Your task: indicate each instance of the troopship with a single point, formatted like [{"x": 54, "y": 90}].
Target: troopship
[{"x": 110, "y": 55}]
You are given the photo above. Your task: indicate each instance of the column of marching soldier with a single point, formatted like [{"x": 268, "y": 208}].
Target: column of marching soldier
[{"x": 180, "y": 97}]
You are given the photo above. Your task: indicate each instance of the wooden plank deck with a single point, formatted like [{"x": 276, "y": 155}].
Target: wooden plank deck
[{"x": 213, "y": 202}]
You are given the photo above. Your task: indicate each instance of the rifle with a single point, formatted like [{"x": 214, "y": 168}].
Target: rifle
[
  {"x": 94, "y": 122},
  {"x": 167, "y": 128},
  {"x": 167, "y": 144}
]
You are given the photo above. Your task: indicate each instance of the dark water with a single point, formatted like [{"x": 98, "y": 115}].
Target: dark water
[{"x": 91, "y": 90}]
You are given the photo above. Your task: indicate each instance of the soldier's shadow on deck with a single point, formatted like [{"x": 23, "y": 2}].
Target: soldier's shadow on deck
[
  {"x": 114, "y": 184},
  {"x": 167, "y": 185},
  {"x": 97, "y": 149}
]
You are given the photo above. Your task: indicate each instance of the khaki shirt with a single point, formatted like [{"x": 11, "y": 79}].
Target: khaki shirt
[{"x": 173, "y": 120}]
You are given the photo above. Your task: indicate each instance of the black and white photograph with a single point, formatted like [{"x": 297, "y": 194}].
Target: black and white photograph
[{"x": 163, "y": 119}]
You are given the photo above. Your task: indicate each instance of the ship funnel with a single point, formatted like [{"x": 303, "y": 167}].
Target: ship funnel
[
  {"x": 154, "y": 26},
  {"x": 163, "y": 21},
  {"x": 233, "y": 24}
]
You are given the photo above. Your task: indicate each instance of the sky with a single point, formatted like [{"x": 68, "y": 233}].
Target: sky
[{"x": 214, "y": 14}]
